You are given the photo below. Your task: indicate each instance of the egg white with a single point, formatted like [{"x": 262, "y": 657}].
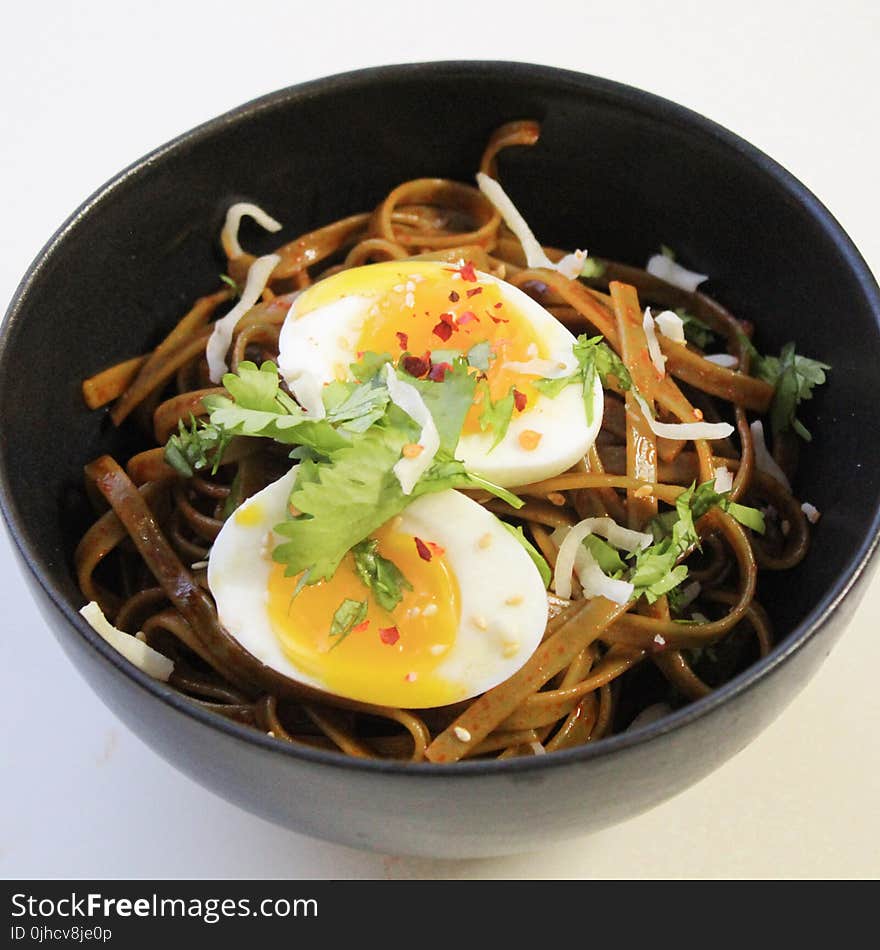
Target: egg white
[
  {"x": 318, "y": 345},
  {"x": 502, "y": 598}
]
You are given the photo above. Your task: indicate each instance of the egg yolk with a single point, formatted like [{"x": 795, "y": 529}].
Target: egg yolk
[
  {"x": 453, "y": 312},
  {"x": 389, "y": 658}
]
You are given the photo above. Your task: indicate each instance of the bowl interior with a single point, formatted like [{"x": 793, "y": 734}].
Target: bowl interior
[{"x": 617, "y": 171}]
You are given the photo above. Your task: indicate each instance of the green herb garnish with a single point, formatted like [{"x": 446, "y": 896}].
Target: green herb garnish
[
  {"x": 383, "y": 577},
  {"x": 347, "y": 616}
]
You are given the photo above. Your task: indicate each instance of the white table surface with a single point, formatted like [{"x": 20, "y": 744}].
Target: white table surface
[{"x": 87, "y": 88}]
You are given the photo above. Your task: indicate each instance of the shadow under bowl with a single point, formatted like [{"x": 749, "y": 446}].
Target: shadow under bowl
[{"x": 617, "y": 167}]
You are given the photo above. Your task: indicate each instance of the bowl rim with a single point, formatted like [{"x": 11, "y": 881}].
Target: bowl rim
[{"x": 618, "y": 94}]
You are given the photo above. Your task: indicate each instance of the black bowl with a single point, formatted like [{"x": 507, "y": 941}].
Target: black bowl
[{"x": 616, "y": 167}]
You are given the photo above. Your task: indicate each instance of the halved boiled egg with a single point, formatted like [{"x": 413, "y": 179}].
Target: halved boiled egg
[
  {"x": 430, "y": 308},
  {"x": 476, "y": 611}
]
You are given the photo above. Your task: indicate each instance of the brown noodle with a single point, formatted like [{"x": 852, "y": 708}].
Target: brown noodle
[{"x": 600, "y": 663}]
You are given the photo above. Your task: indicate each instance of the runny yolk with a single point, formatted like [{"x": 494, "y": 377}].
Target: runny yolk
[
  {"x": 441, "y": 312},
  {"x": 391, "y": 657}
]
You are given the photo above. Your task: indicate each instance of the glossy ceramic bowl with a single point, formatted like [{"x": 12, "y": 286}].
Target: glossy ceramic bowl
[{"x": 616, "y": 168}]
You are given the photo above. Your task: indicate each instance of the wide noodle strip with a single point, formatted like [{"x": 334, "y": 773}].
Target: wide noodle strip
[{"x": 600, "y": 664}]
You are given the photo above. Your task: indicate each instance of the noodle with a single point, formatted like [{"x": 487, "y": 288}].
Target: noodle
[{"x": 600, "y": 663}]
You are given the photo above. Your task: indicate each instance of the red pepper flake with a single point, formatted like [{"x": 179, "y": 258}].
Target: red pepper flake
[
  {"x": 442, "y": 330},
  {"x": 436, "y": 549},
  {"x": 389, "y": 635},
  {"x": 499, "y": 305},
  {"x": 360, "y": 354},
  {"x": 454, "y": 297},
  {"x": 448, "y": 319},
  {"x": 520, "y": 400},
  {"x": 467, "y": 272},
  {"x": 361, "y": 627},
  {"x": 403, "y": 340},
  {"x": 439, "y": 371},
  {"x": 417, "y": 366},
  {"x": 498, "y": 319},
  {"x": 423, "y": 549},
  {"x": 474, "y": 291},
  {"x": 468, "y": 317}
]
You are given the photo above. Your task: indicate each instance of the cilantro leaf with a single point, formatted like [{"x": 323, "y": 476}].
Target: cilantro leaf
[
  {"x": 231, "y": 283},
  {"x": 253, "y": 388},
  {"x": 448, "y": 401},
  {"x": 496, "y": 415},
  {"x": 381, "y": 576},
  {"x": 479, "y": 355},
  {"x": 369, "y": 365},
  {"x": 592, "y": 268},
  {"x": 594, "y": 358},
  {"x": 695, "y": 330},
  {"x": 355, "y": 406},
  {"x": 606, "y": 555},
  {"x": 195, "y": 448},
  {"x": 794, "y": 377},
  {"x": 347, "y": 616},
  {"x": 536, "y": 556}
]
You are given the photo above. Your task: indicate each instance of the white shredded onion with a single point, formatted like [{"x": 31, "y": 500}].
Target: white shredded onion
[
  {"x": 689, "y": 593},
  {"x": 570, "y": 266},
  {"x": 573, "y": 556},
  {"x": 723, "y": 480},
  {"x": 308, "y": 389},
  {"x": 666, "y": 269},
  {"x": 727, "y": 360},
  {"x": 684, "y": 430},
  {"x": 650, "y": 714},
  {"x": 135, "y": 651},
  {"x": 229, "y": 234},
  {"x": 408, "y": 398},
  {"x": 811, "y": 511},
  {"x": 764, "y": 461},
  {"x": 537, "y": 748},
  {"x": 548, "y": 369},
  {"x": 654, "y": 351},
  {"x": 671, "y": 326},
  {"x": 221, "y": 337}
]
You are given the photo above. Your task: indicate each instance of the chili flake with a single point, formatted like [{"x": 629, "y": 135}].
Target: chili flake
[
  {"x": 468, "y": 317},
  {"x": 389, "y": 635},
  {"x": 403, "y": 340},
  {"x": 439, "y": 371},
  {"x": 423, "y": 549},
  {"x": 417, "y": 366},
  {"x": 520, "y": 400},
  {"x": 474, "y": 291},
  {"x": 443, "y": 330},
  {"x": 454, "y": 297},
  {"x": 361, "y": 627}
]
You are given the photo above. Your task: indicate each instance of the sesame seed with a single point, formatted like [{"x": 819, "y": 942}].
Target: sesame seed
[
  {"x": 698, "y": 414},
  {"x": 514, "y": 601},
  {"x": 485, "y": 541},
  {"x": 510, "y": 648},
  {"x": 412, "y": 613},
  {"x": 198, "y": 565},
  {"x": 409, "y": 300},
  {"x": 410, "y": 286},
  {"x": 643, "y": 491},
  {"x": 556, "y": 498},
  {"x": 462, "y": 734},
  {"x": 480, "y": 622},
  {"x": 437, "y": 649},
  {"x": 270, "y": 733},
  {"x": 430, "y": 610},
  {"x": 140, "y": 635}
]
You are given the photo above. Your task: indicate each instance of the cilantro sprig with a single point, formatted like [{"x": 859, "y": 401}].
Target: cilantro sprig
[
  {"x": 383, "y": 577},
  {"x": 347, "y": 616},
  {"x": 595, "y": 358},
  {"x": 793, "y": 378}
]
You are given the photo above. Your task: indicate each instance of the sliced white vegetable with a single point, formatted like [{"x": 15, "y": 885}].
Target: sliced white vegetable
[
  {"x": 764, "y": 461},
  {"x": 723, "y": 480},
  {"x": 666, "y": 269},
  {"x": 135, "y": 651},
  {"x": 727, "y": 360},
  {"x": 671, "y": 326},
  {"x": 650, "y": 714},
  {"x": 307, "y": 389},
  {"x": 408, "y": 398},
  {"x": 546, "y": 369},
  {"x": 811, "y": 511},
  {"x": 221, "y": 337},
  {"x": 689, "y": 593},
  {"x": 573, "y": 556},
  {"x": 570, "y": 265},
  {"x": 684, "y": 430},
  {"x": 229, "y": 234},
  {"x": 654, "y": 351}
]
